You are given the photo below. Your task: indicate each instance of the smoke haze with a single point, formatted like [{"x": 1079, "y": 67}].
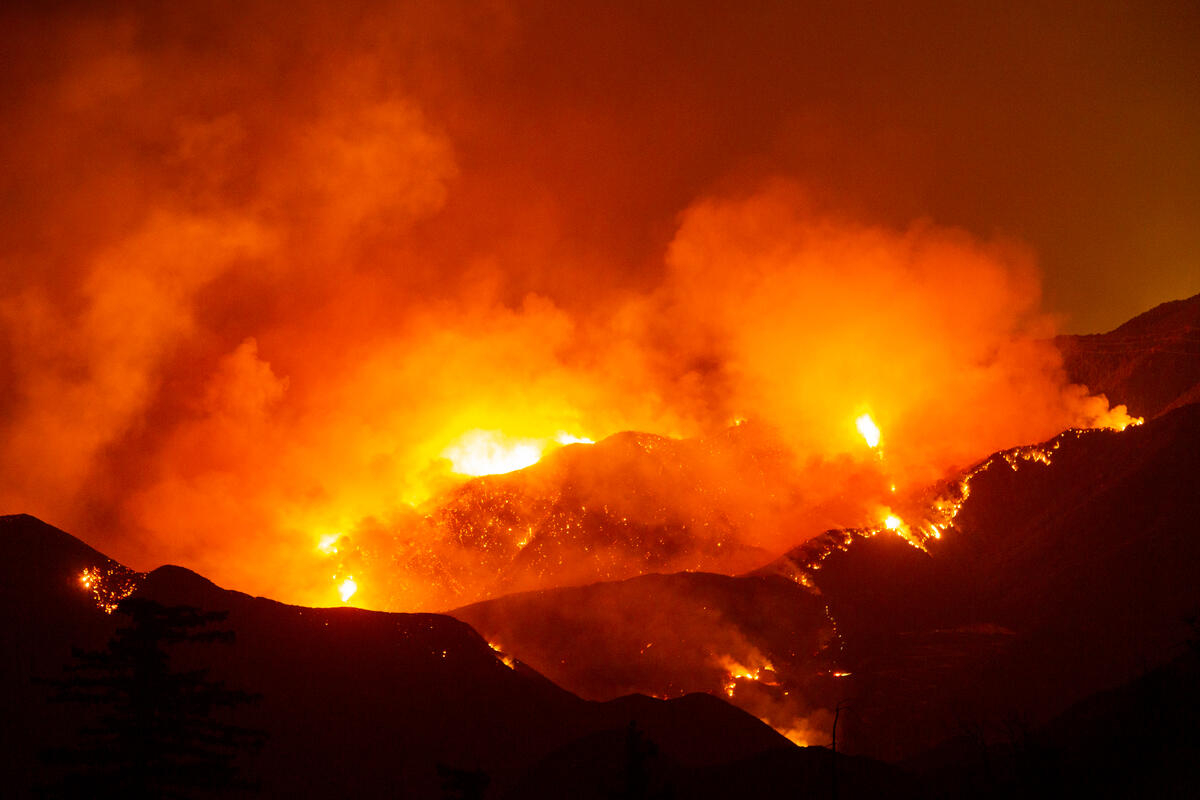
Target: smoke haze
[{"x": 262, "y": 264}]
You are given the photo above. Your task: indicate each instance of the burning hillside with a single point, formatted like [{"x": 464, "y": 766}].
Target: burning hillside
[
  {"x": 666, "y": 342},
  {"x": 953, "y": 609},
  {"x": 284, "y": 301},
  {"x": 242, "y": 462}
]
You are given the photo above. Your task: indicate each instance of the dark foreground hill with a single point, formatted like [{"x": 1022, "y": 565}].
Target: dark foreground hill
[
  {"x": 1057, "y": 581},
  {"x": 368, "y": 704},
  {"x": 765, "y": 642}
]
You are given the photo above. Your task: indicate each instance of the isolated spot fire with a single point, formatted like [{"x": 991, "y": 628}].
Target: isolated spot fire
[
  {"x": 869, "y": 430},
  {"x": 109, "y": 584}
]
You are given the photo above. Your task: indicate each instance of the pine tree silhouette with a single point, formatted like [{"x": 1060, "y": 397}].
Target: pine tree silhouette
[{"x": 157, "y": 732}]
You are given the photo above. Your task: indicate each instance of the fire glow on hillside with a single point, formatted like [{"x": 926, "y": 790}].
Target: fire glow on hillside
[
  {"x": 109, "y": 584},
  {"x": 478, "y": 452},
  {"x": 273, "y": 306}
]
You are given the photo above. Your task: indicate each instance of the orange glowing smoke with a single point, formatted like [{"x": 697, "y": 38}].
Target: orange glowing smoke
[{"x": 248, "y": 303}]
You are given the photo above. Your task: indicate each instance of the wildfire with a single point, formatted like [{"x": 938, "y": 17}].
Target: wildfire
[
  {"x": 566, "y": 438},
  {"x": 892, "y": 522},
  {"x": 869, "y": 430},
  {"x": 347, "y": 588},
  {"x": 735, "y": 671},
  {"x": 109, "y": 585},
  {"x": 482, "y": 452},
  {"x": 505, "y": 659}
]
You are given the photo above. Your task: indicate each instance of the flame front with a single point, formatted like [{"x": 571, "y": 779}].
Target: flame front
[
  {"x": 505, "y": 659},
  {"x": 491, "y": 452}
]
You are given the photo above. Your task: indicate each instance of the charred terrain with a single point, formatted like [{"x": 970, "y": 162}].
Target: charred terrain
[{"x": 1044, "y": 635}]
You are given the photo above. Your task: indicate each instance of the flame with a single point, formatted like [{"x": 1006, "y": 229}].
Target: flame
[
  {"x": 566, "y": 438},
  {"x": 481, "y": 452},
  {"x": 869, "y": 430},
  {"x": 892, "y": 522},
  {"x": 347, "y": 588},
  {"x": 797, "y": 736},
  {"x": 505, "y": 659},
  {"x": 109, "y": 585},
  {"x": 491, "y": 452},
  {"x": 736, "y": 671},
  {"x": 328, "y": 543}
]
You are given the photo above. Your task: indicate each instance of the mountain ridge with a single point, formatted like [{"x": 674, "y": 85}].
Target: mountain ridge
[{"x": 359, "y": 701}]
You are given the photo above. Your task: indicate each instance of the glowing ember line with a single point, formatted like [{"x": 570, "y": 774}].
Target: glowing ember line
[{"x": 505, "y": 659}]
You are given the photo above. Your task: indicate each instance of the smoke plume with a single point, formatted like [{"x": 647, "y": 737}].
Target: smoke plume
[{"x": 255, "y": 286}]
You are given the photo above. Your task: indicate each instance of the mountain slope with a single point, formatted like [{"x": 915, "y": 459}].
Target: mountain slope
[
  {"x": 1057, "y": 580},
  {"x": 1151, "y": 363},
  {"x": 763, "y": 641},
  {"x": 357, "y": 702}
]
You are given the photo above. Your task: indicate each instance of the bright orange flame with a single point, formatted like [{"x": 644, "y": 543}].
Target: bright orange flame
[
  {"x": 566, "y": 438},
  {"x": 892, "y": 522},
  {"x": 481, "y": 452},
  {"x": 328, "y": 543},
  {"x": 505, "y": 659},
  {"x": 347, "y": 589},
  {"x": 737, "y": 671},
  {"x": 109, "y": 585},
  {"x": 869, "y": 430}
]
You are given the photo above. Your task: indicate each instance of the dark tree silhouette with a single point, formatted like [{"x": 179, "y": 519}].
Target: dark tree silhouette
[
  {"x": 837, "y": 713},
  {"x": 640, "y": 754},
  {"x": 154, "y": 731},
  {"x": 462, "y": 784}
]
